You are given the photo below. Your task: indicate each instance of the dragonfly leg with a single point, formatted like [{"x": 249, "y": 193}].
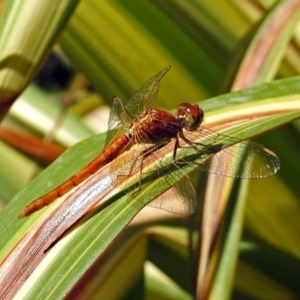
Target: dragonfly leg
[
  {"x": 207, "y": 149},
  {"x": 147, "y": 153},
  {"x": 137, "y": 166}
]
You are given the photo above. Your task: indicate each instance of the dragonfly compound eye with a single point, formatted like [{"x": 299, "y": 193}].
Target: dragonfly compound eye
[{"x": 191, "y": 114}]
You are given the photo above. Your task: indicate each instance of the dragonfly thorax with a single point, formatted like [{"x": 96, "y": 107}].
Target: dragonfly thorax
[
  {"x": 191, "y": 116},
  {"x": 154, "y": 126}
]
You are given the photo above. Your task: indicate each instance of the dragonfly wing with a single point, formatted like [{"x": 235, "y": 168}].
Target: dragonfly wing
[
  {"x": 118, "y": 120},
  {"x": 243, "y": 160},
  {"x": 179, "y": 199},
  {"x": 143, "y": 98},
  {"x": 127, "y": 165}
]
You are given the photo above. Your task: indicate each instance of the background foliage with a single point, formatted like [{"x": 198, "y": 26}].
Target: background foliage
[{"x": 246, "y": 245}]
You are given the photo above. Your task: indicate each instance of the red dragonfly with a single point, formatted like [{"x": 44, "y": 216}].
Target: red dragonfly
[{"x": 153, "y": 130}]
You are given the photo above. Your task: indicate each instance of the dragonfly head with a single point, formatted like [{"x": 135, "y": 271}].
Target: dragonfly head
[{"x": 191, "y": 115}]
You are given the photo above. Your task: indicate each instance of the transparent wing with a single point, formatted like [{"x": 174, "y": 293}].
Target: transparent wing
[
  {"x": 118, "y": 120},
  {"x": 141, "y": 100},
  {"x": 244, "y": 159},
  {"x": 144, "y": 97},
  {"x": 179, "y": 199}
]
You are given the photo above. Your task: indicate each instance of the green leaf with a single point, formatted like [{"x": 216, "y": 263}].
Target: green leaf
[
  {"x": 23, "y": 47},
  {"x": 104, "y": 226}
]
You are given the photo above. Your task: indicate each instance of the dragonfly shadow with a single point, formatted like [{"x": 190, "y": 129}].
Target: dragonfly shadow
[{"x": 152, "y": 183}]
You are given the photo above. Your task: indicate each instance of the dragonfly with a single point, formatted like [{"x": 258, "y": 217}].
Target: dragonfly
[{"x": 150, "y": 131}]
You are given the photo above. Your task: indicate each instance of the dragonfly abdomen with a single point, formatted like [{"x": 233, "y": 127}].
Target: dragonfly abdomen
[{"x": 110, "y": 152}]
